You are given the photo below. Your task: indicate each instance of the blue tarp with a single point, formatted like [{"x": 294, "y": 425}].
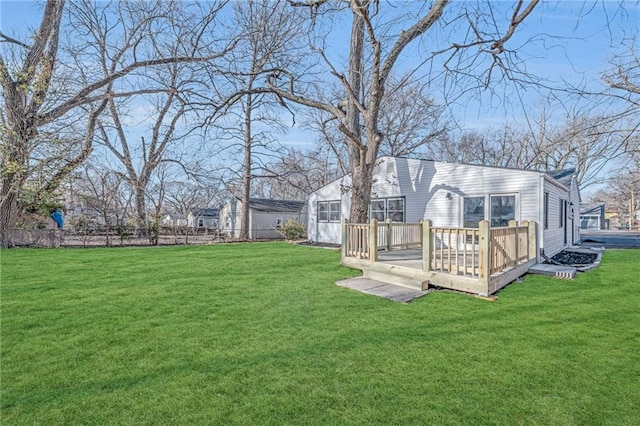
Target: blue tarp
[{"x": 57, "y": 217}]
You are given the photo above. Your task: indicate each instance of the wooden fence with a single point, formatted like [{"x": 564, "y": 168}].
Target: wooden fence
[{"x": 472, "y": 252}]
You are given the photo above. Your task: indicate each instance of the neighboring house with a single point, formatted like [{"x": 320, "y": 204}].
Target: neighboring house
[
  {"x": 203, "y": 218},
  {"x": 265, "y": 216},
  {"x": 592, "y": 216},
  {"x": 455, "y": 195},
  {"x": 174, "y": 220}
]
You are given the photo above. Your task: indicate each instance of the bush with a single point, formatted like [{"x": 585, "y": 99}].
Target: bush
[{"x": 292, "y": 229}]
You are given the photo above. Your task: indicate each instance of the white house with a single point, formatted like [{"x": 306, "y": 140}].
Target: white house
[
  {"x": 456, "y": 195},
  {"x": 265, "y": 216},
  {"x": 203, "y": 218}
]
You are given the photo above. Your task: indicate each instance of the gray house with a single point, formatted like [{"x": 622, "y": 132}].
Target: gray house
[
  {"x": 265, "y": 216},
  {"x": 456, "y": 195},
  {"x": 203, "y": 218}
]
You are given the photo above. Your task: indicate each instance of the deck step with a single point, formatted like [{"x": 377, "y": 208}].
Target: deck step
[
  {"x": 557, "y": 271},
  {"x": 395, "y": 279},
  {"x": 378, "y": 288}
]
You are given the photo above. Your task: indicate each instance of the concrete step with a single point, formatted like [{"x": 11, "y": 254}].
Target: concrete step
[
  {"x": 564, "y": 272},
  {"x": 395, "y": 279},
  {"x": 381, "y": 289}
]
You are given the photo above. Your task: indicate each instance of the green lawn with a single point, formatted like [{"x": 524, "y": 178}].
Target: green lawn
[{"x": 260, "y": 334}]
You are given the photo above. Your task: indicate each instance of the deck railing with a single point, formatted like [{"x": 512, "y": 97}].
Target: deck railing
[
  {"x": 398, "y": 235},
  {"x": 508, "y": 246},
  {"x": 356, "y": 240},
  {"x": 472, "y": 252},
  {"x": 455, "y": 250}
]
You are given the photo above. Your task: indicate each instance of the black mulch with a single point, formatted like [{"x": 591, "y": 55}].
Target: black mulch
[{"x": 571, "y": 258}]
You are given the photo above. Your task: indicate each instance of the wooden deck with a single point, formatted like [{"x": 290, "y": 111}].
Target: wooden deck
[{"x": 499, "y": 257}]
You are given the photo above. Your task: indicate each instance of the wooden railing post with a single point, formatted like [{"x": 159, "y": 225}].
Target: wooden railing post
[
  {"x": 373, "y": 240},
  {"x": 513, "y": 224},
  {"x": 533, "y": 240},
  {"x": 485, "y": 250},
  {"x": 427, "y": 248},
  {"x": 389, "y": 234}
]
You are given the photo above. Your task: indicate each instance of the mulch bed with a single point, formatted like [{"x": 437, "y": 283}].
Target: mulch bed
[{"x": 572, "y": 258}]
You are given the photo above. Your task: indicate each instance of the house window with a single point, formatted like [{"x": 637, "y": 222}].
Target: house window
[
  {"x": 545, "y": 211},
  {"x": 378, "y": 210},
  {"x": 387, "y": 208},
  {"x": 323, "y": 211},
  {"x": 473, "y": 211},
  {"x": 503, "y": 209},
  {"x": 200, "y": 223},
  {"x": 328, "y": 211},
  {"x": 562, "y": 212}
]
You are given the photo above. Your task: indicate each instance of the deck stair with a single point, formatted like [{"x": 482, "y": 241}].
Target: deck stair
[
  {"x": 392, "y": 292},
  {"x": 396, "y": 278},
  {"x": 557, "y": 271}
]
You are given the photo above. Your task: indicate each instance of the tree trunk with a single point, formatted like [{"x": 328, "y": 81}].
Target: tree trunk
[
  {"x": 246, "y": 172},
  {"x": 141, "y": 212},
  {"x": 9, "y": 213},
  {"x": 361, "y": 177}
]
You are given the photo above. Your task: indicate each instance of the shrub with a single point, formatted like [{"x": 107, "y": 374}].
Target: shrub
[{"x": 291, "y": 229}]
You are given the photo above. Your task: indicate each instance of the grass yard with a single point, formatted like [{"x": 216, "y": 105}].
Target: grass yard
[{"x": 260, "y": 334}]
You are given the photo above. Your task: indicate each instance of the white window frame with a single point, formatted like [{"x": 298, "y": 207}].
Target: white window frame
[
  {"x": 487, "y": 205},
  {"x": 333, "y": 211},
  {"x": 385, "y": 209}
]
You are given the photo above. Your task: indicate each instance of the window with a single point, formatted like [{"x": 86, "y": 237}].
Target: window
[
  {"x": 562, "y": 212},
  {"x": 328, "y": 211},
  {"x": 200, "y": 223},
  {"x": 387, "y": 208},
  {"x": 395, "y": 209},
  {"x": 545, "y": 212},
  {"x": 334, "y": 211},
  {"x": 473, "y": 211},
  {"x": 378, "y": 209},
  {"x": 503, "y": 209},
  {"x": 323, "y": 212}
]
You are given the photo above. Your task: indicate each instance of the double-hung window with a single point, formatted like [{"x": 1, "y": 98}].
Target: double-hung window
[
  {"x": 501, "y": 209},
  {"x": 328, "y": 211},
  {"x": 388, "y": 208}
]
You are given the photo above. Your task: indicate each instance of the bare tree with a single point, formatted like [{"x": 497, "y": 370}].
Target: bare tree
[
  {"x": 296, "y": 174},
  {"x": 374, "y": 48},
  {"x": 32, "y": 99},
  {"x": 102, "y": 192},
  {"x": 269, "y": 33}
]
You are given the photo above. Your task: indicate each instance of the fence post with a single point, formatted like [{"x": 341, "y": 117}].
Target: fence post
[
  {"x": 427, "y": 248},
  {"x": 389, "y": 233},
  {"x": 513, "y": 224},
  {"x": 533, "y": 240},
  {"x": 343, "y": 227},
  {"x": 373, "y": 240},
  {"x": 485, "y": 250}
]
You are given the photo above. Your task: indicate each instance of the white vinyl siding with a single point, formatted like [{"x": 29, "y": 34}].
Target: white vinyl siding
[{"x": 436, "y": 191}]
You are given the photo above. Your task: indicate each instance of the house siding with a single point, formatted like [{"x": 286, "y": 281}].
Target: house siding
[
  {"x": 425, "y": 185},
  {"x": 261, "y": 224},
  {"x": 553, "y": 235}
]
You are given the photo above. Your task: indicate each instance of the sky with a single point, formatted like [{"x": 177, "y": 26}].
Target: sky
[{"x": 570, "y": 41}]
